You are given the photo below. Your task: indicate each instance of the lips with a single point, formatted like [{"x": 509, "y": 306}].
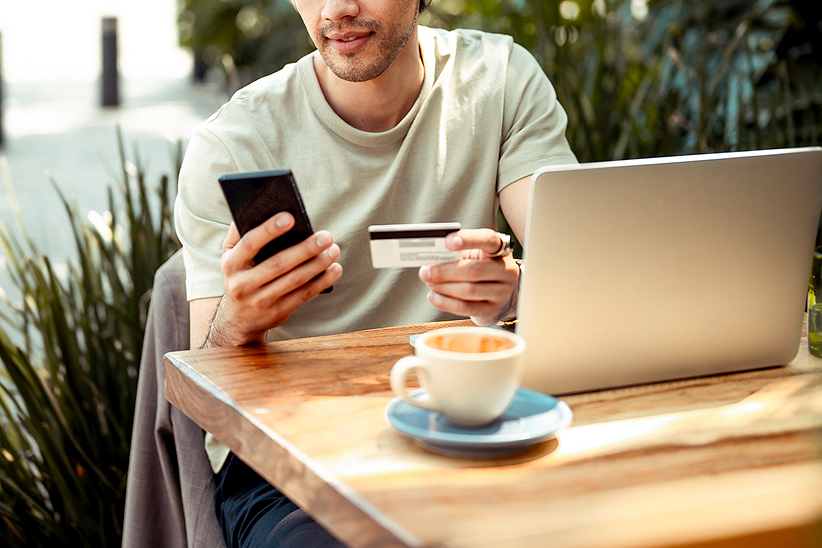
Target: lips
[{"x": 348, "y": 42}]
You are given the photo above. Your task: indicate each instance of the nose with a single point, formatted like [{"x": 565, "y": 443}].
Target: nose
[{"x": 336, "y": 10}]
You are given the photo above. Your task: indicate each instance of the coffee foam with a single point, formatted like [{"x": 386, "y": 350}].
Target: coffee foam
[{"x": 469, "y": 342}]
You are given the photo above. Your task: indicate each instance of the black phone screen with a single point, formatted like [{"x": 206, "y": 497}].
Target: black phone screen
[{"x": 255, "y": 197}]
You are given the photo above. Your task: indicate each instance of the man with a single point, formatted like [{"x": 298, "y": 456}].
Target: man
[{"x": 387, "y": 122}]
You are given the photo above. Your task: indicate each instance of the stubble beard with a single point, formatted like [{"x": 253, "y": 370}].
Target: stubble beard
[{"x": 348, "y": 66}]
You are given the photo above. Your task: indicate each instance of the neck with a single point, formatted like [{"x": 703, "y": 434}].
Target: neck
[{"x": 381, "y": 103}]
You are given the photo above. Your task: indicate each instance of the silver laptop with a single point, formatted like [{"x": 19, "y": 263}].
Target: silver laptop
[{"x": 646, "y": 270}]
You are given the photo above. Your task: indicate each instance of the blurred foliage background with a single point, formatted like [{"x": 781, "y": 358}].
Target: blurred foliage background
[
  {"x": 70, "y": 347},
  {"x": 638, "y": 78},
  {"x": 241, "y": 39},
  {"x": 662, "y": 77}
]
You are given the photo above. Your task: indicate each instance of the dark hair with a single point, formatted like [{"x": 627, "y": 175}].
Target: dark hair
[{"x": 424, "y": 4}]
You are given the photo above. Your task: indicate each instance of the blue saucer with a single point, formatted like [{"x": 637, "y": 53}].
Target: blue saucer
[{"x": 532, "y": 417}]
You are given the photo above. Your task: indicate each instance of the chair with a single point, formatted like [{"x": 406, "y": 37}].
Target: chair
[{"x": 170, "y": 489}]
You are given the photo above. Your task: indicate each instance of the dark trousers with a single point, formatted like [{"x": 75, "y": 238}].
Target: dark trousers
[{"x": 254, "y": 514}]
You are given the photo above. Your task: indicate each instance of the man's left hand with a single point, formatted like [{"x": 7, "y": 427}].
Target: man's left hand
[{"x": 477, "y": 285}]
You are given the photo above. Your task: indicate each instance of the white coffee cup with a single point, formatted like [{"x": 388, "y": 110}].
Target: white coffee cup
[{"x": 470, "y": 374}]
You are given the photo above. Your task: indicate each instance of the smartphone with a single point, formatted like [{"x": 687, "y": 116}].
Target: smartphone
[{"x": 255, "y": 197}]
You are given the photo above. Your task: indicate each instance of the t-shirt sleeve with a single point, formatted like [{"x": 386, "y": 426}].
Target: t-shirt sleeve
[
  {"x": 534, "y": 122},
  {"x": 201, "y": 216}
]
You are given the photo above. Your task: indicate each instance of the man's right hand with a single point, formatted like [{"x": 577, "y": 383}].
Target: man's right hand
[{"x": 261, "y": 296}]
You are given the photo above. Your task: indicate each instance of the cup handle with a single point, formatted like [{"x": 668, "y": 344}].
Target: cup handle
[{"x": 399, "y": 381}]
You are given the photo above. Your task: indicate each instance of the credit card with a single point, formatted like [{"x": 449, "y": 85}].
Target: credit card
[{"x": 411, "y": 245}]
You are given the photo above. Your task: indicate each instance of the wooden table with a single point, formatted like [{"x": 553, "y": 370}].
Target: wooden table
[{"x": 726, "y": 460}]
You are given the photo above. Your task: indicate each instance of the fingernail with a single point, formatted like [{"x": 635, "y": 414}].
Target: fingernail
[
  {"x": 324, "y": 239},
  {"x": 333, "y": 252},
  {"x": 453, "y": 241},
  {"x": 425, "y": 273},
  {"x": 281, "y": 220}
]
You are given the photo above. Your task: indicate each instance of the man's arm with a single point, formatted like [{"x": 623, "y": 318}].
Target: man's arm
[
  {"x": 262, "y": 296},
  {"x": 202, "y": 314},
  {"x": 513, "y": 200}
]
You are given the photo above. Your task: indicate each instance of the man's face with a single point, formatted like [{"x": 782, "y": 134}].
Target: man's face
[{"x": 359, "y": 39}]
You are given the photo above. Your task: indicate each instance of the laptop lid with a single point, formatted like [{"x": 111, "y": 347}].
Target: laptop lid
[{"x": 646, "y": 270}]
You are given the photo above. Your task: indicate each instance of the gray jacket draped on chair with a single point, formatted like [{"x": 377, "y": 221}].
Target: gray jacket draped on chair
[{"x": 170, "y": 490}]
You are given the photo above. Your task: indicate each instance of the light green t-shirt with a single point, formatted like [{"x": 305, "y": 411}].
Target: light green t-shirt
[{"x": 486, "y": 116}]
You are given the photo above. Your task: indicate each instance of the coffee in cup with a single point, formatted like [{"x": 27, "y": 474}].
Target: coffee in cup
[{"x": 470, "y": 374}]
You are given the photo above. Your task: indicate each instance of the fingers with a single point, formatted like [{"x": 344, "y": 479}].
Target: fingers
[
  {"x": 285, "y": 271},
  {"x": 231, "y": 238},
  {"x": 482, "y": 239},
  {"x": 239, "y": 253},
  {"x": 276, "y": 306},
  {"x": 245, "y": 316},
  {"x": 471, "y": 269},
  {"x": 261, "y": 296},
  {"x": 246, "y": 248},
  {"x": 465, "y": 307},
  {"x": 476, "y": 287},
  {"x": 308, "y": 278}
]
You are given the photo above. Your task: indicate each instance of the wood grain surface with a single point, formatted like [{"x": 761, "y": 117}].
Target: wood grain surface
[{"x": 727, "y": 460}]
